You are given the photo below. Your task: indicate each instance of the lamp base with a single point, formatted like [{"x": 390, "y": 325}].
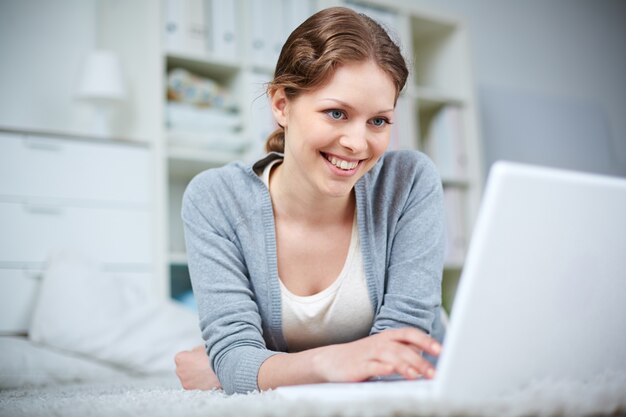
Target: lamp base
[{"x": 101, "y": 126}]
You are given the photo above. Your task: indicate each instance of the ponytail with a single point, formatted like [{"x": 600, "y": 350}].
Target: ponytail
[{"x": 276, "y": 141}]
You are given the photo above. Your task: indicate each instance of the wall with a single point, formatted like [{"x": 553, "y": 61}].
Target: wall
[
  {"x": 549, "y": 74},
  {"x": 551, "y": 79},
  {"x": 42, "y": 44}
]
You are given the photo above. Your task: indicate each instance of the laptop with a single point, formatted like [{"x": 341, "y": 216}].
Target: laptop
[{"x": 542, "y": 295}]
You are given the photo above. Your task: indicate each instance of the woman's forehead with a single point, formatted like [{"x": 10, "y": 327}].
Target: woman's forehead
[{"x": 357, "y": 84}]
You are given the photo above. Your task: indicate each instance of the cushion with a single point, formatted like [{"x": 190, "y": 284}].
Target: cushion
[{"x": 109, "y": 317}]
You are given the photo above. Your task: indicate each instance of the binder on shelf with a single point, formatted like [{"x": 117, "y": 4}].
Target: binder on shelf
[
  {"x": 185, "y": 26},
  {"x": 222, "y": 33},
  {"x": 258, "y": 42},
  {"x": 262, "y": 122},
  {"x": 445, "y": 143},
  {"x": 294, "y": 13},
  {"x": 270, "y": 23},
  {"x": 456, "y": 239},
  {"x": 386, "y": 18},
  {"x": 401, "y": 136},
  {"x": 275, "y": 30},
  {"x": 174, "y": 25}
]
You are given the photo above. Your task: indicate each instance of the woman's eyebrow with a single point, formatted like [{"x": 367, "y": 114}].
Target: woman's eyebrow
[{"x": 350, "y": 107}]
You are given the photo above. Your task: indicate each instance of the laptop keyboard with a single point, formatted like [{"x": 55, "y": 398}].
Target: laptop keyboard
[{"x": 360, "y": 390}]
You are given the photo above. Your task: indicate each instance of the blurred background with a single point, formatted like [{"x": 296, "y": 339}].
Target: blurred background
[{"x": 109, "y": 107}]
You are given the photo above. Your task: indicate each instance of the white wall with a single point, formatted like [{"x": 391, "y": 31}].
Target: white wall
[
  {"x": 550, "y": 78},
  {"x": 550, "y": 75},
  {"x": 42, "y": 44}
]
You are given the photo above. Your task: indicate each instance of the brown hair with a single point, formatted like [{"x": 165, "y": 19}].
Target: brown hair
[{"x": 324, "y": 41}]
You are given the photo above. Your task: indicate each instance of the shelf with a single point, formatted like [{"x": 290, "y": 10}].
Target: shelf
[
  {"x": 225, "y": 142},
  {"x": 427, "y": 25},
  {"x": 455, "y": 182},
  {"x": 432, "y": 99},
  {"x": 199, "y": 63},
  {"x": 453, "y": 266},
  {"x": 76, "y": 135},
  {"x": 178, "y": 258},
  {"x": 186, "y": 162}
]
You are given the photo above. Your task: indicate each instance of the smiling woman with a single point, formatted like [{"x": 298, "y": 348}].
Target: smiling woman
[
  {"x": 336, "y": 133},
  {"x": 322, "y": 261}
]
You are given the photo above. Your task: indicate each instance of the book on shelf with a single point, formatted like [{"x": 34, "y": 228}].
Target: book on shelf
[
  {"x": 456, "y": 238},
  {"x": 445, "y": 143}
]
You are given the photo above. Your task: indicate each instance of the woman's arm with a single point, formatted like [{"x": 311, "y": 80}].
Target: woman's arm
[
  {"x": 230, "y": 319},
  {"x": 386, "y": 353},
  {"x": 414, "y": 263},
  {"x": 389, "y": 352},
  {"x": 193, "y": 369}
]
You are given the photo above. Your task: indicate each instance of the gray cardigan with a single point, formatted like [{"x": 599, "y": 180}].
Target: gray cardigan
[{"x": 231, "y": 248}]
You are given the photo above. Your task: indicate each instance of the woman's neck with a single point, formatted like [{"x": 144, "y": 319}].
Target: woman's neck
[{"x": 297, "y": 201}]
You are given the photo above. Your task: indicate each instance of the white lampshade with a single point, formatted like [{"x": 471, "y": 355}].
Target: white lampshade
[{"x": 102, "y": 80}]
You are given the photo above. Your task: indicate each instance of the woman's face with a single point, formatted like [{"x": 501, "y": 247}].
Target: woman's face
[{"x": 335, "y": 134}]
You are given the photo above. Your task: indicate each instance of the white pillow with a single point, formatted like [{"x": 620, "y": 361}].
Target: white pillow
[
  {"x": 109, "y": 317},
  {"x": 26, "y": 364}
]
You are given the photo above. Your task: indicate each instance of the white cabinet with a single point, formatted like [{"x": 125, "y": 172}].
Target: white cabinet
[
  {"x": 70, "y": 194},
  {"x": 57, "y": 168},
  {"x": 110, "y": 235}
]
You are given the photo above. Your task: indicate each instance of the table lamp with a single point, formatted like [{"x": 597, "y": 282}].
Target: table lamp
[{"x": 102, "y": 85}]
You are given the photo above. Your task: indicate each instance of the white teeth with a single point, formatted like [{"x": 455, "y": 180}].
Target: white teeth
[{"x": 345, "y": 165}]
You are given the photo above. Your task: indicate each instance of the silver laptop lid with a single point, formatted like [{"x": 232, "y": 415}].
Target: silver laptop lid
[{"x": 543, "y": 290}]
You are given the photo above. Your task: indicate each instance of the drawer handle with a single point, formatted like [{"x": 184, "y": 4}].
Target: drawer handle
[
  {"x": 36, "y": 275},
  {"x": 43, "y": 144},
  {"x": 43, "y": 209}
]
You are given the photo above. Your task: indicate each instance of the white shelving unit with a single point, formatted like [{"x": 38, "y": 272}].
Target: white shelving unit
[{"x": 435, "y": 45}]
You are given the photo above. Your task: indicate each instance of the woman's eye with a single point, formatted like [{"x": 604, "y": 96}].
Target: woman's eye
[
  {"x": 335, "y": 114},
  {"x": 379, "y": 121}
]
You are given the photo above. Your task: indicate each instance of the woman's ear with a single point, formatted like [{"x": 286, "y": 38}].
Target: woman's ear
[{"x": 279, "y": 103}]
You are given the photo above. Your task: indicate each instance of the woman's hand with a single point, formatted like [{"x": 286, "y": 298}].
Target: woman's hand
[
  {"x": 194, "y": 370},
  {"x": 390, "y": 352}
]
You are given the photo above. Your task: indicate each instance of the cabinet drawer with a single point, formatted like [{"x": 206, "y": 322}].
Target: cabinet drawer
[
  {"x": 72, "y": 169},
  {"x": 19, "y": 291},
  {"x": 31, "y": 232}
]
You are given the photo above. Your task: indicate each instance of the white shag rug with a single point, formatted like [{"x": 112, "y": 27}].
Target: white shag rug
[{"x": 164, "y": 397}]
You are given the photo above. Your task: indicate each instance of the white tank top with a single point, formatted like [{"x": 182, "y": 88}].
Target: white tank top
[{"x": 341, "y": 313}]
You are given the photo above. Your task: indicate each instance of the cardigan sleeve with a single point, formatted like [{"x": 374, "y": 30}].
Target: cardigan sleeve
[
  {"x": 415, "y": 249},
  {"x": 230, "y": 321}
]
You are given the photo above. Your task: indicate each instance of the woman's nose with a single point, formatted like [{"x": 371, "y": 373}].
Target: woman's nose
[{"x": 354, "y": 138}]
